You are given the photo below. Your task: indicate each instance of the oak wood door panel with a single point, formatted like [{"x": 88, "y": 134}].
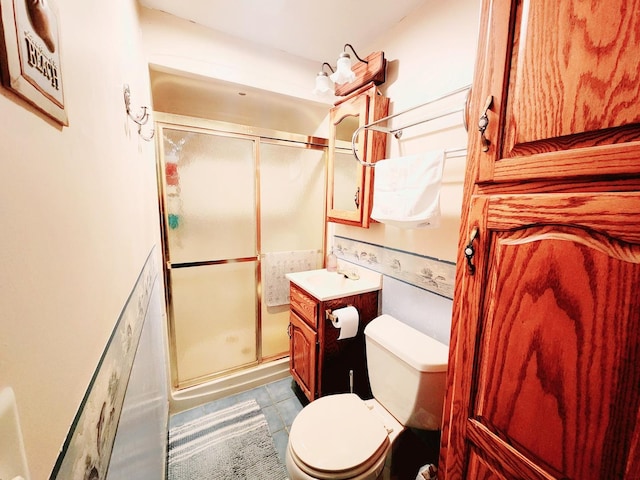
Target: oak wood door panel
[
  {"x": 547, "y": 383},
  {"x": 565, "y": 84},
  {"x": 303, "y": 355},
  {"x": 480, "y": 470}
]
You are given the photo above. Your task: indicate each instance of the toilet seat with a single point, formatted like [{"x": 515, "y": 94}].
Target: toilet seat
[
  {"x": 369, "y": 470},
  {"x": 338, "y": 437}
]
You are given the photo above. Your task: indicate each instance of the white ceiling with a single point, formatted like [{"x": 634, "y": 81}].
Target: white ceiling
[{"x": 310, "y": 29}]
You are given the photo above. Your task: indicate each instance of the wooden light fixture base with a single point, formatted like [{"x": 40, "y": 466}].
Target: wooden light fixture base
[{"x": 374, "y": 71}]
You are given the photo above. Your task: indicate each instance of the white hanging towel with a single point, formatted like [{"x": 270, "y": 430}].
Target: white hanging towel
[{"x": 406, "y": 191}]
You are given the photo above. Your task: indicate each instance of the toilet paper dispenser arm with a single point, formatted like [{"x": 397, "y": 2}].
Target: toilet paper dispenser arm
[{"x": 329, "y": 314}]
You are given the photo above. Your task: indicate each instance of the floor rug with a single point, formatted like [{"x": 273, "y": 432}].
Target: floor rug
[{"x": 233, "y": 443}]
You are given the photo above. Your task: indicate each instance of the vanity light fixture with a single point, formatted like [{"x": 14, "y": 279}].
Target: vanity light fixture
[
  {"x": 347, "y": 77},
  {"x": 323, "y": 84},
  {"x": 343, "y": 73}
]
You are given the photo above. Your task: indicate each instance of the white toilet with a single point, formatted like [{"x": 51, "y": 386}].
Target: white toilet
[{"x": 343, "y": 437}]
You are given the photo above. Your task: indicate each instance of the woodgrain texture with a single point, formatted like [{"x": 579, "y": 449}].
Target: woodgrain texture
[
  {"x": 319, "y": 362},
  {"x": 302, "y": 354},
  {"x": 570, "y": 70},
  {"x": 550, "y": 370},
  {"x": 304, "y": 305},
  {"x": 544, "y": 364},
  {"x": 559, "y": 349}
]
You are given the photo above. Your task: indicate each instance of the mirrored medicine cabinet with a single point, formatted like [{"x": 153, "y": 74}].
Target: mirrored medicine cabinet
[{"x": 350, "y": 184}]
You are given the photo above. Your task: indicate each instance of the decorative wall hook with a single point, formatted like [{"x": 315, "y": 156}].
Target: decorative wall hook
[
  {"x": 146, "y": 138},
  {"x": 141, "y": 118}
]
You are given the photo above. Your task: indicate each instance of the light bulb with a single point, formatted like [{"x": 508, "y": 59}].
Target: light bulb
[
  {"x": 343, "y": 73},
  {"x": 323, "y": 84}
]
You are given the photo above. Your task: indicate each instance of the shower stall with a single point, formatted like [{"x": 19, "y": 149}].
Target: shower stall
[{"x": 240, "y": 207}]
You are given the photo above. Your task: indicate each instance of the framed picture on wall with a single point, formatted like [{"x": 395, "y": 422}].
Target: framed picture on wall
[{"x": 30, "y": 54}]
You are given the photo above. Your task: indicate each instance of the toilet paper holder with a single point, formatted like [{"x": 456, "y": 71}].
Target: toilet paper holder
[{"x": 329, "y": 313}]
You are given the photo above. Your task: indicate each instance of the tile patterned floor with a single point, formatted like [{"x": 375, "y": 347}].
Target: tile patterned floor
[{"x": 278, "y": 403}]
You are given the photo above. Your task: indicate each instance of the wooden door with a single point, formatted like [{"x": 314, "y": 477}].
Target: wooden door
[
  {"x": 544, "y": 369},
  {"x": 565, "y": 84},
  {"x": 303, "y": 355},
  {"x": 547, "y": 376}
]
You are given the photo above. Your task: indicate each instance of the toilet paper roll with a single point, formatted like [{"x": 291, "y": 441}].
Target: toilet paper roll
[{"x": 346, "y": 319}]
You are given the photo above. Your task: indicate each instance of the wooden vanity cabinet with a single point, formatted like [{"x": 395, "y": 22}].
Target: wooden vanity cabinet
[
  {"x": 318, "y": 361},
  {"x": 544, "y": 366},
  {"x": 350, "y": 184}
]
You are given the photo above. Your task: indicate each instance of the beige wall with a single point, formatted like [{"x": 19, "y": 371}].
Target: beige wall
[
  {"x": 197, "y": 72},
  {"x": 200, "y": 97},
  {"x": 430, "y": 53},
  {"x": 178, "y": 45},
  {"x": 79, "y": 217}
]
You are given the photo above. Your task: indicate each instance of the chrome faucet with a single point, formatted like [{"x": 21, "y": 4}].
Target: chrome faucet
[{"x": 350, "y": 275}]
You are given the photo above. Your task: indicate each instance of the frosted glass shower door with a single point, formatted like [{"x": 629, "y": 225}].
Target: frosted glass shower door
[
  {"x": 211, "y": 247},
  {"x": 292, "y": 212}
]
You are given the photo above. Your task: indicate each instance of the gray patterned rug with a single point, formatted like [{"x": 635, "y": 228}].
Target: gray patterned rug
[{"x": 233, "y": 443}]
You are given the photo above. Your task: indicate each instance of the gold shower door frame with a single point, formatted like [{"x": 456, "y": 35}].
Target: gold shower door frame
[{"x": 258, "y": 137}]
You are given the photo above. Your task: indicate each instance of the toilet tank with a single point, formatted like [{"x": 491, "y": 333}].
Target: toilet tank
[{"x": 407, "y": 370}]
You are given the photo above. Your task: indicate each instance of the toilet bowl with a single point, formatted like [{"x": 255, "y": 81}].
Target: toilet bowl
[
  {"x": 343, "y": 437},
  {"x": 340, "y": 436}
]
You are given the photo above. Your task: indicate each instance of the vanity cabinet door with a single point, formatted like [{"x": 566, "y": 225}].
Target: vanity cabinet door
[
  {"x": 563, "y": 76},
  {"x": 303, "y": 341},
  {"x": 547, "y": 378}
]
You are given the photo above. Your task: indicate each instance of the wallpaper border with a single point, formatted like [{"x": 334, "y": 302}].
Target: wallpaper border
[
  {"x": 87, "y": 449},
  {"x": 431, "y": 274}
]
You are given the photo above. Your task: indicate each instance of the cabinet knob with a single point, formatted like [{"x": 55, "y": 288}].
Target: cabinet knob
[
  {"x": 470, "y": 251},
  {"x": 483, "y": 123}
]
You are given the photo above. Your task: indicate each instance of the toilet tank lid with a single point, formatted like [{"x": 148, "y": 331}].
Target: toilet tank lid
[{"x": 419, "y": 350}]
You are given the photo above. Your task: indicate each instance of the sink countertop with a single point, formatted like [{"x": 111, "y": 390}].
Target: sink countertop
[{"x": 324, "y": 285}]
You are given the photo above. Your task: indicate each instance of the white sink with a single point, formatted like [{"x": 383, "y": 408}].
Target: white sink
[{"x": 325, "y": 285}]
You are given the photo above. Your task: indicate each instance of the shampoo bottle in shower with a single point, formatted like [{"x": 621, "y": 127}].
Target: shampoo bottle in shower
[{"x": 332, "y": 262}]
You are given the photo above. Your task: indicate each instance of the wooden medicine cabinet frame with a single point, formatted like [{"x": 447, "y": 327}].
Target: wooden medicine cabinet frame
[{"x": 362, "y": 107}]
